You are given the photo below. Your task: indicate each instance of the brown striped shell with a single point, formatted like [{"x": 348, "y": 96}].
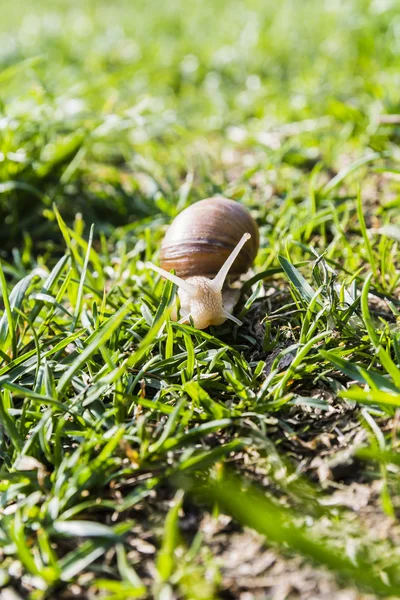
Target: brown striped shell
[{"x": 202, "y": 236}]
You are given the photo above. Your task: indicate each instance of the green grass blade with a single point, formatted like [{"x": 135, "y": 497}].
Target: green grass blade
[
  {"x": 98, "y": 340},
  {"x": 279, "y": 525},
  {"x": 364, "y": 233},
  {"x": 79, "y": 299},
  {"x": 165, "y": 558},
  {"x": 296, "y": 278},
  {"x": 384, "y": 357},
  {"x": 7, "y": 321},
  {"x": 348, "y": 170},
  {"x": 371, "y": 397}
]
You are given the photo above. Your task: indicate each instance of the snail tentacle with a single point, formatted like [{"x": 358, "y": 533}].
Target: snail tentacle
[
  {"x": 190, "y": 289},
  {"x": 185, "y": 318},
  {"x": 219, "y": 280},
  {"x": 232, "y": 318}
]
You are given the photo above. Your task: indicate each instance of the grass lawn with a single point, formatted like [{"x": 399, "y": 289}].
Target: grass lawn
[{"x": 142, "y": 458}]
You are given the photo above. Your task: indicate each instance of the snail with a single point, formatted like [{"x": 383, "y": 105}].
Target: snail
[{"x": 207, "y": 241}]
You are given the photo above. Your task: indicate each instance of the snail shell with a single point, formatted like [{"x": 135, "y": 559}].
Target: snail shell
[{"x": 202, "y": 236}]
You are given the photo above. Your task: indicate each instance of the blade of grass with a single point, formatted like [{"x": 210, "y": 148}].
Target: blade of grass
[
  {"x": 7, "y": 325},
  {"x": 364, "y": 233},
  {"x": 248, "y": 505},
  {"x": 79, "y": 297},
  {"x": 384, "y": 357},
  {"x": 99, "y": 339}
]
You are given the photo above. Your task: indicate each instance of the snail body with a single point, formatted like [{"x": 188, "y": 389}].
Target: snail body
[{"x": 206, "y": 242}]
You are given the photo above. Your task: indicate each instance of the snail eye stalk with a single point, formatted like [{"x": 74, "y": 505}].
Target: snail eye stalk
[
  {"x": 187, "y": 287},
  {"x": 219, "y": 280}
]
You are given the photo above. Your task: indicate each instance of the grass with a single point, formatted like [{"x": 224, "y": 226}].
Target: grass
[{"x": 136, "y": 452}]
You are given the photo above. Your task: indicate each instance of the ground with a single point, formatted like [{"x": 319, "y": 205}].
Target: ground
[{"x": 142, "y": 458}]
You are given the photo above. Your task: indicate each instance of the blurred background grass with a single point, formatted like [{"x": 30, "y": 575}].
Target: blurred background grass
[{"x": 105, "y": 107}]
